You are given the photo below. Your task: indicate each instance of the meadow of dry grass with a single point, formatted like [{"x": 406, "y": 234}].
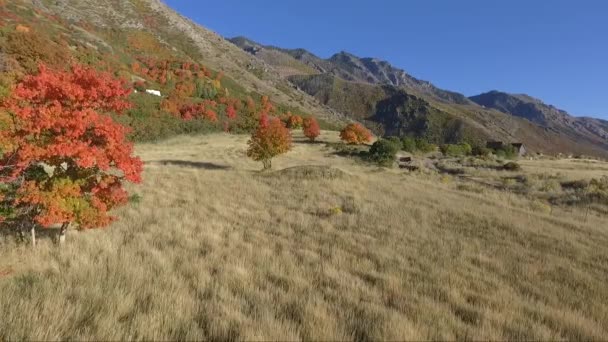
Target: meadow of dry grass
[
  {"x": 573, "y": 169},
  {"x": 217, "y": 250}
]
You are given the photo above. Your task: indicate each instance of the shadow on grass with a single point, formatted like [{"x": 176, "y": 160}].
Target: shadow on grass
[
  {"x": 192, "y": 164},
  {"x": 308, "y": 142},
  {"x": 12, "y": 233}
]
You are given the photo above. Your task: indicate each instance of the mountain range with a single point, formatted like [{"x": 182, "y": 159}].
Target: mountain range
[
  {"x": 396, "y": 103},
  {"x": 339, "y": 89}
]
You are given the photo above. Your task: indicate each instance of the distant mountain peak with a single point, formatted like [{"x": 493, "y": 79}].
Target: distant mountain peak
[{"x": 548, "y": 116}]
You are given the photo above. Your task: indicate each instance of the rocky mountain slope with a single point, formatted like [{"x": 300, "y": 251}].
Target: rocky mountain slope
[
  {"x": 595, "y": 131},
  {"x": 347, "y": 67},
  {"x": 104, "y": 24},
  {"x": 365, "y": 88}
]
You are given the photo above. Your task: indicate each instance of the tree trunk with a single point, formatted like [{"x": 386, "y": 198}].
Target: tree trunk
[
  {"x": 33, "y": 231},
  {"x": 21, "y": 232},
  {"x": 267, "y": 164},
  {"x": 63, "y": 232}
]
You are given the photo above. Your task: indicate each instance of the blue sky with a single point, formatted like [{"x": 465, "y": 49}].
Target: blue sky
[{"x": 555, "y": 50}]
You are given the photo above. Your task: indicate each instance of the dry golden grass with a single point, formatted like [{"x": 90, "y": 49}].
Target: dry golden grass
[
  {"x": 217, "y": 250},
  {"x": 572, "y": 169}
]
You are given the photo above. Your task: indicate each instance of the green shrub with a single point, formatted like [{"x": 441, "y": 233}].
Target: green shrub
[
  {"x": 463, "y": 149},
  {"x": 511, "y": 166},
  {"x": 551, "y": 185},
  {"x": 424, "y": 146},
  {"x": 506, "y": 152},
  {"x": 396, "y": 141},
  {"x": 383, "y": 151},
  {"x": 481, "y": 151},
  {"x": 409, "y": 144}
]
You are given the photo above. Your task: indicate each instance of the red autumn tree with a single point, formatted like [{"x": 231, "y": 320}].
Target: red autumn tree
[
  {"x": 204, "y": 110},
  {"x": 355, "y": 133},
  {"x": 64, "y": 160},
  {"x": 269, "y": 140},
  {"x": 231, "y": 112},
  {"x": 311, "y": 128}
]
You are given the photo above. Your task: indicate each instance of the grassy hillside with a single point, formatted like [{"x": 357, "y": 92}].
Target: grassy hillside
[
  {"x": 213, "y": 249},
  {"x": 144, "y": 42}
]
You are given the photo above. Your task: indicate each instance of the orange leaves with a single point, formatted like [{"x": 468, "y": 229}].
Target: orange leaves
[
  {"x": 269, "y": 140},
  {"x": 266, "y": 107},
  {"x": 82, "y": 88},
  {"x": 355, "y": 133},
  {"x": 294, "y": 121},
  {"x": 68, "y": 159},
  {"x": 31, "y": 48},
  {"x": 311, "y": 128},
  {"x": 136, "y": 67},
  {"x": 184, "y": 89},
  {"x": 170, "y": 105},
  {"x": 22, "y": 29}
]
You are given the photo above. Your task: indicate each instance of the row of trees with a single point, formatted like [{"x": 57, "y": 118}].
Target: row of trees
[{"x": 273, "y": 136}]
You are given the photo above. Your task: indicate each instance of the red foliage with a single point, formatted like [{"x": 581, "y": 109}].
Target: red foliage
[
  {"x": 311, "y": 128},
  {"x": 65, "y": 160},
  {"x": 205, "y": 110},
  {"x": 231, "y": 112},
  {"x": 355, "y": 133},
  {"x": 269, "y": 140}
]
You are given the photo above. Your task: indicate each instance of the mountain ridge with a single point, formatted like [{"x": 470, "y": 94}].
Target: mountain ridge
[
  {"x": 356, "y": 69},
  {"x": 310, "y": 73},
  {"x": 535, "y": 110}
]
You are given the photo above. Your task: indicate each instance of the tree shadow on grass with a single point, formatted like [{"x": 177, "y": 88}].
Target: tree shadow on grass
[
  {"x": 307, "y": 141},
  {"x": 10, "y": 233},
  {"x": 192, "y": 164}
]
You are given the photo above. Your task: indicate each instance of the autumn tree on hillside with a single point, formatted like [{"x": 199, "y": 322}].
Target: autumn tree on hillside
[
  {"x": 205, "y": 110},
  {"x": 64, "y": 160},
  {"x": 311, "y": 128},
  {"x": 269, "y": 140},
  {"x": 355, "y": 133},
  {"x": 294, "y": 121}
]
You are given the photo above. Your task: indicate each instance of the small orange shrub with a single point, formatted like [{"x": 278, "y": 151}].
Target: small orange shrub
[
  {"x": 311, "y": 128},
  {"x": 355, "y": 133},
  {"x": 294, "y": 121},
  {"x": 269, "y": 140},
  {"x": 22, "y": 29}
]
